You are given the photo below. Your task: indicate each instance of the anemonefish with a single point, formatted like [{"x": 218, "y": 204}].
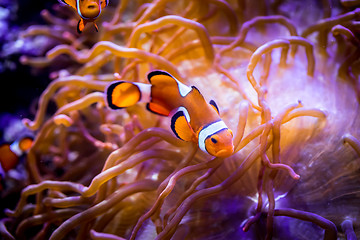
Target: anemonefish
[
  {"x": 192, "y": 118},
  {"x": 10, "y": 154},
  {"x": 88, "y": 10}
]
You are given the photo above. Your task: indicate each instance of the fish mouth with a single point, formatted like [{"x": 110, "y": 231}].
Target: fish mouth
[
  {"x": 223, "y": 153},
  {"x": 91, "y": 11}
]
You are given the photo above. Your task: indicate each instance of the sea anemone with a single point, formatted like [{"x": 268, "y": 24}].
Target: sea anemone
[{"x": 286, "y": 78}]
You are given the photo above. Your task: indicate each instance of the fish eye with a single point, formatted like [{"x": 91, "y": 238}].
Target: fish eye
[{"x": 213, "y": 140}]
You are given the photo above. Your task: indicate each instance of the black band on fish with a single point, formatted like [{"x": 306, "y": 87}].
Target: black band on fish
[{"x": 209, "y": 130}]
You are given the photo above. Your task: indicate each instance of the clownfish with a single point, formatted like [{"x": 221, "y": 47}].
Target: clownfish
[
  {"x": 10, "y": 154},
  {"x": 192, "y": 118},
  {"x": 88, "y": 10}
]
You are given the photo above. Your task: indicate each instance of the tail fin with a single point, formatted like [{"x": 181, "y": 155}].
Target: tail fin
[
  {"x": 124, "y": 94},
  {"x": 8, "y": 159}
]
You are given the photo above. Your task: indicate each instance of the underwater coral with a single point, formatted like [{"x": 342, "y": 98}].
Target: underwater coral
[{"x": 285, "y": 76}]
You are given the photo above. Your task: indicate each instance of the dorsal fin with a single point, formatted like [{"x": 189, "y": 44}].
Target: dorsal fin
[
  {"x": 158, "y": 80},
  {"x": 161, "y": 77},
  {"x": 157, "y": 77},
  {"x": 197, "y": 93},
  {"x": 214, "y": 105}
]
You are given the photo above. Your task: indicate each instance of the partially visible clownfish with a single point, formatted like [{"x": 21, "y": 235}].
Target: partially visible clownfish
[
  {"x": 192, "y": 118},
  {"x": 10, "y": 154},
  {"x": 88, "y": 10}
]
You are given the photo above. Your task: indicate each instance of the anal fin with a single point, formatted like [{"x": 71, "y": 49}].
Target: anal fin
[{"x": 158, "y": 109}]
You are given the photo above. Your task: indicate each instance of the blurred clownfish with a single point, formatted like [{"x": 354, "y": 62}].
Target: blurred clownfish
[
  {"x": 10, "y": 154},
  {"x": 193, "y": 119},
  {"x": 89, "y": 11}
]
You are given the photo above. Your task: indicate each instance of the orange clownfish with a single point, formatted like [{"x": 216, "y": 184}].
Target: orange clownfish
[
  {"x": 88, "y": 10},
  {"x": 192, "y": 118},
  {"x": 10, "y": 154}
]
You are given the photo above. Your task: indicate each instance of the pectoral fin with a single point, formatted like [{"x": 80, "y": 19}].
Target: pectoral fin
[
  {"x": 96, "y": 27},
  {"x": 80, "y": 26},
  {"x": 104, "y": 3},
  {"x": 180, "y": 125}
]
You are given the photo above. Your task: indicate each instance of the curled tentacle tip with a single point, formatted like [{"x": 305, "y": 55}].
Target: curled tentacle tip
[
  {"x": 106, "y": 25},
  {"x": 105, "y": 129},
  {"x": 99, "y": 144},
  {"x": 93, "y": 233},
  {"x": 335, "y": 29},
  {"x": 49, "y": 54},
  {"x": 67, "y": 35},
  {"x": 44, "y": 13},
  {"x": 117, "y": 76},
  {"x": 344, "y": 137},
  {"x": 28, "y": 123},
  {"x": 296, "y": 176},
  {"x": 54, "y": 75},
  {"x": 324, "y": 112},
  {"x": 24, "y": 59},
  {"x": 63, "y": 73},
  {"x": 64, "y": 120},
  {"x": 246, "y": 227},
  {"x": 9, "y": 212},
  {"x": 347, "y": 220}
]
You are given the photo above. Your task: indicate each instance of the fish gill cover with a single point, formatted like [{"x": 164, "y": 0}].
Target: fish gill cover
[{"x": 285, "y": 76}]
